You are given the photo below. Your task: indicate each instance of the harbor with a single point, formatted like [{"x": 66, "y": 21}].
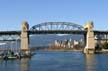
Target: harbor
[{"x": 53, "y": 35}]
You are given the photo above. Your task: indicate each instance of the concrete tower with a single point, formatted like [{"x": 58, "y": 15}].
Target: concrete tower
[
  {"x": 24, "y": 37},
  {"x": 90, "y": 41}
]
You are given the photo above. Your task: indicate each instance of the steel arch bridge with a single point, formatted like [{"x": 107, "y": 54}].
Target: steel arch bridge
[{"x": 56, "y": 26}]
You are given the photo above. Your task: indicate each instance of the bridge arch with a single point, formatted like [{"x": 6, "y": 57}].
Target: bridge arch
[{"x": 56, "y": 26}]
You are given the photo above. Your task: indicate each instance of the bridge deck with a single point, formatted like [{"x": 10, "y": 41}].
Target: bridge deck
[
  {"x": 10, "y": 32},
  {"x": 52, "y": 32}
]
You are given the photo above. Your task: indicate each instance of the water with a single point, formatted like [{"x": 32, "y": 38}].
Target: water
[{"x": 58, "y": 61}]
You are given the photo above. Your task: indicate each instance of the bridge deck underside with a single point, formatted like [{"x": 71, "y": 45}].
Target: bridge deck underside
[
  {"x": 52, "y": 32},
  {"x": 58, "y": 32},
  {"x": 10, "y": 32}
]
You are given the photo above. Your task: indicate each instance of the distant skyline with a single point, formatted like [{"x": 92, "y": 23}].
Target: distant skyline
[{"x": 13, "y": 12}]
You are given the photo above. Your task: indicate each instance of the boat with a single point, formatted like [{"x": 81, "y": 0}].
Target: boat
[
  {"x": 10, "y": 55},
  {"x": 10, "y": 58}
]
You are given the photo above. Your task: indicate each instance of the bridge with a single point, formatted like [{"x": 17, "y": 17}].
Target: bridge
[{"x": 56, "y": 28}]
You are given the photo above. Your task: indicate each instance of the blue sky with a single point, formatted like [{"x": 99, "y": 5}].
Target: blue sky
[{"x": 13, "y": 12}]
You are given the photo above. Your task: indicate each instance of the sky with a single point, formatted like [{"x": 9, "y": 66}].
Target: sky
[{"x": 14, "y": 12}]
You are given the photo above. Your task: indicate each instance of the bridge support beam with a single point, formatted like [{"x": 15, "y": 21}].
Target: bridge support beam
[
  {"x": 25, "y": 38},
  {"x": 90, "y": 41}
]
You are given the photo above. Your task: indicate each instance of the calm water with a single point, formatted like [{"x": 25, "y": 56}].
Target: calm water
[{"x": 58, "y": 61}]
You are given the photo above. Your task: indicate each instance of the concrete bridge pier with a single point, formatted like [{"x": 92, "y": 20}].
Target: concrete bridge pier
[
  {"x": 90, "y": 41},
  {"x": 25, "y": 38}
]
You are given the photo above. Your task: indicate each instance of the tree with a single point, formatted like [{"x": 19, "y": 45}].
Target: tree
[{"x": 105, "y": 45}]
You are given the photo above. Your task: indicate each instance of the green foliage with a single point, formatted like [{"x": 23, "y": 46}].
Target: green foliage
[{"x": 105, "y": 45}]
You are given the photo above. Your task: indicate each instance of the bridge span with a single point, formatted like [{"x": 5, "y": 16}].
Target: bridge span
[{"x": 57, "y": 28}]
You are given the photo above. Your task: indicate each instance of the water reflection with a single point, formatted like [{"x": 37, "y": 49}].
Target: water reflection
[
  {"x": 90, "y": 62},
  {"x": 15, "y": 65},
  {"x": 25, "y": 64},
  {"x": 58, "y": 61}
]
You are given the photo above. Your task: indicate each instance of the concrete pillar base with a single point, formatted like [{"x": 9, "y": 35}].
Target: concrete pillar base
[
  {"x": 27, "y": 52},
  {"x": 89, "y": 50}
]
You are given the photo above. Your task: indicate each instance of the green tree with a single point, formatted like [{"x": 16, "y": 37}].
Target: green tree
[{"x": 105, "y": 45}]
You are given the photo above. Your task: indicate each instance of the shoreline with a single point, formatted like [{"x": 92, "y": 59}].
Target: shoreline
[
  {"x": 80, "y": 49},
  {"x": 76, "y": 50},
  {"x": 64, "y": 50}
]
